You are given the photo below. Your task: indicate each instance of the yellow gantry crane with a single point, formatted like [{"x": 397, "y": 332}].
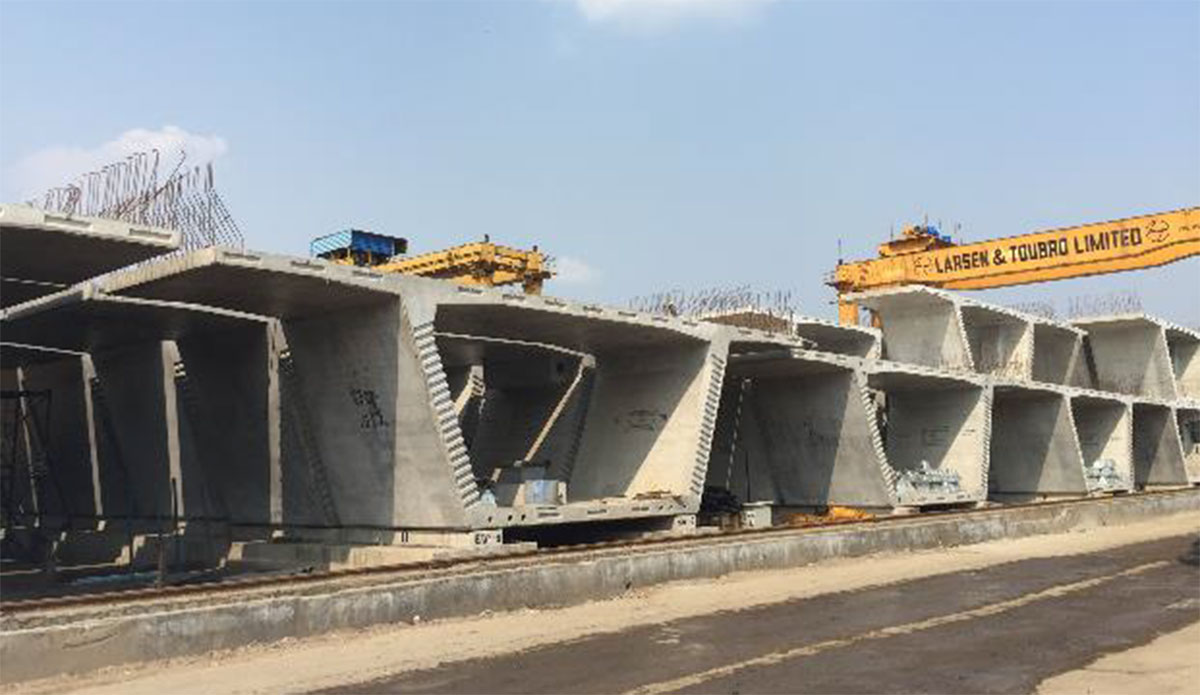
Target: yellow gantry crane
[
  {"x": 478, "y": 263},
  {"x": 922, "y": 256}
]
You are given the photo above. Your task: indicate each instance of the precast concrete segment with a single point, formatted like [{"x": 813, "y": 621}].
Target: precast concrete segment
[
  {"x": 1183, "y": 346},
  {"x": 1189, "y": 436},
  {"x": 920, "y": 326},
  {"x": 1035, "y": 453},
  {"x": 47, "y": 251},
  {"x": 1130, "y": 355},
  {"x": 652, "y": 395},
  {"x": 364, "y": 368},
  {"x": 1104, "y": 425},
  {"x": 796, "y": 429},
  {"x": 1157, "y": 447},
  {"x": 218, "y": 415},
  {"x": 933, "y": 421},
  {"x": 1058, "y": 355}
]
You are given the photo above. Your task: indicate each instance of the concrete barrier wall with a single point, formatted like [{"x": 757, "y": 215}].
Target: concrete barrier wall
[{"x": 1035, "y": 453}]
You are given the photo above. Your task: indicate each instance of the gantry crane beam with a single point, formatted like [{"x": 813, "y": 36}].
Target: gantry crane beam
[{"x": 923, "y": 257}]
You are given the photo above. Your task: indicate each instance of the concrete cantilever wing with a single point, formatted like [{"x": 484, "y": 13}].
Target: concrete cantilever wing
[{"x": 45, "y": 252}]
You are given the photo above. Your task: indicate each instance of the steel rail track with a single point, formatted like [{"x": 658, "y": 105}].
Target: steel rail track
[{"x": 418, "y": 570}]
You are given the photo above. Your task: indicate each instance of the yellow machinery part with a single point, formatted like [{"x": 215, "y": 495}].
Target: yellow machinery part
[
  {"x": 1105, "y": 247},
  {"x": 480, "y": 263}
]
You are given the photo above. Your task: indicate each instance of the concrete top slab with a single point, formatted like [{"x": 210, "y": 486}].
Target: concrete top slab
[
  {"x": 45, "y": 252},
  {"x": 789, "y": 363},
  {"x": 1118, "y": 320},
  {"x": 886, "y": 374},
  {"x": 85, "y": 320},
  {"x": 261, "y": 284}
]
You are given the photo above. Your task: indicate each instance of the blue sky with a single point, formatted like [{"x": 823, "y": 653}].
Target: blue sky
[{"x": 649, "y": 144}]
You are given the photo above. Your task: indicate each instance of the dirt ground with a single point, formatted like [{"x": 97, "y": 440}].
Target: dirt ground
[{"x": 1167, "y": 665}]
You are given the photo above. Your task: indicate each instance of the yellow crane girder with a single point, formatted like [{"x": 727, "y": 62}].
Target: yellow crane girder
[{"x": 1131, "y": 243}]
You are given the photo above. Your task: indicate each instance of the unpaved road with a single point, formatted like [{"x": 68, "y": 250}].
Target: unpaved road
[{"x": 1101, "y": 611}]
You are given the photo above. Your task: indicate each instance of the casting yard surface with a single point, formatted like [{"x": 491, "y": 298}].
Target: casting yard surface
[{"x": 1110, "y": 610}]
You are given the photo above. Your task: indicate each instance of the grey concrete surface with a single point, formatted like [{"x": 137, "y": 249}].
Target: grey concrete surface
[
  {"x": 796, "y": 429},
  {"x": 45, "y": 252},
  {"x": 1130, "y": 355},
  {"x": 101, "y": 636},
  {"x": 1104, "y": 425},
  {"x": 937, "y": 421},
  {"x": 1157, "y": 447},
  {"x": 1188, "y": 421},
  {"x": 1035, "y": 453}
]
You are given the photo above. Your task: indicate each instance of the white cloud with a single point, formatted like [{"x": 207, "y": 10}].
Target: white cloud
[
  {"x": 572, "y": 271},
  {"x": 61, "y": 164},
  {"x": 659, "y": 14}
]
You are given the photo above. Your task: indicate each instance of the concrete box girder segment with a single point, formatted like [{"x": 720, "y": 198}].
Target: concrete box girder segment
[
  {"x": 1130, "y": 355},
  {"x": 936, "y": 428},
  {"x": 920, "y": 326},
  {"x": 180, "y": 403},
  {"x": 796, "y": 430},
  {"x": 364, "y": 354},
  {"x": 1157, "y": 446},
  {"x": 1035, "y": 453},
  {"x": 1104, "y": 425},
  {"x": 650, "y": 397},
  {"x": 45, "y": 252}
]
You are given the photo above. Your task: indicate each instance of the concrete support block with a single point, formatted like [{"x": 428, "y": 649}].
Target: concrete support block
[
  {"x": 1189, "y": 436},
  {"x": 1035, "y": 453},
  {"x": 796, "y": 430},
  {"x": 1157, "y": 448},
  {"x": 1130, "y": 355},
  {"x": 936, "y": 430},
  {"x": 1104, "y": 425}
]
